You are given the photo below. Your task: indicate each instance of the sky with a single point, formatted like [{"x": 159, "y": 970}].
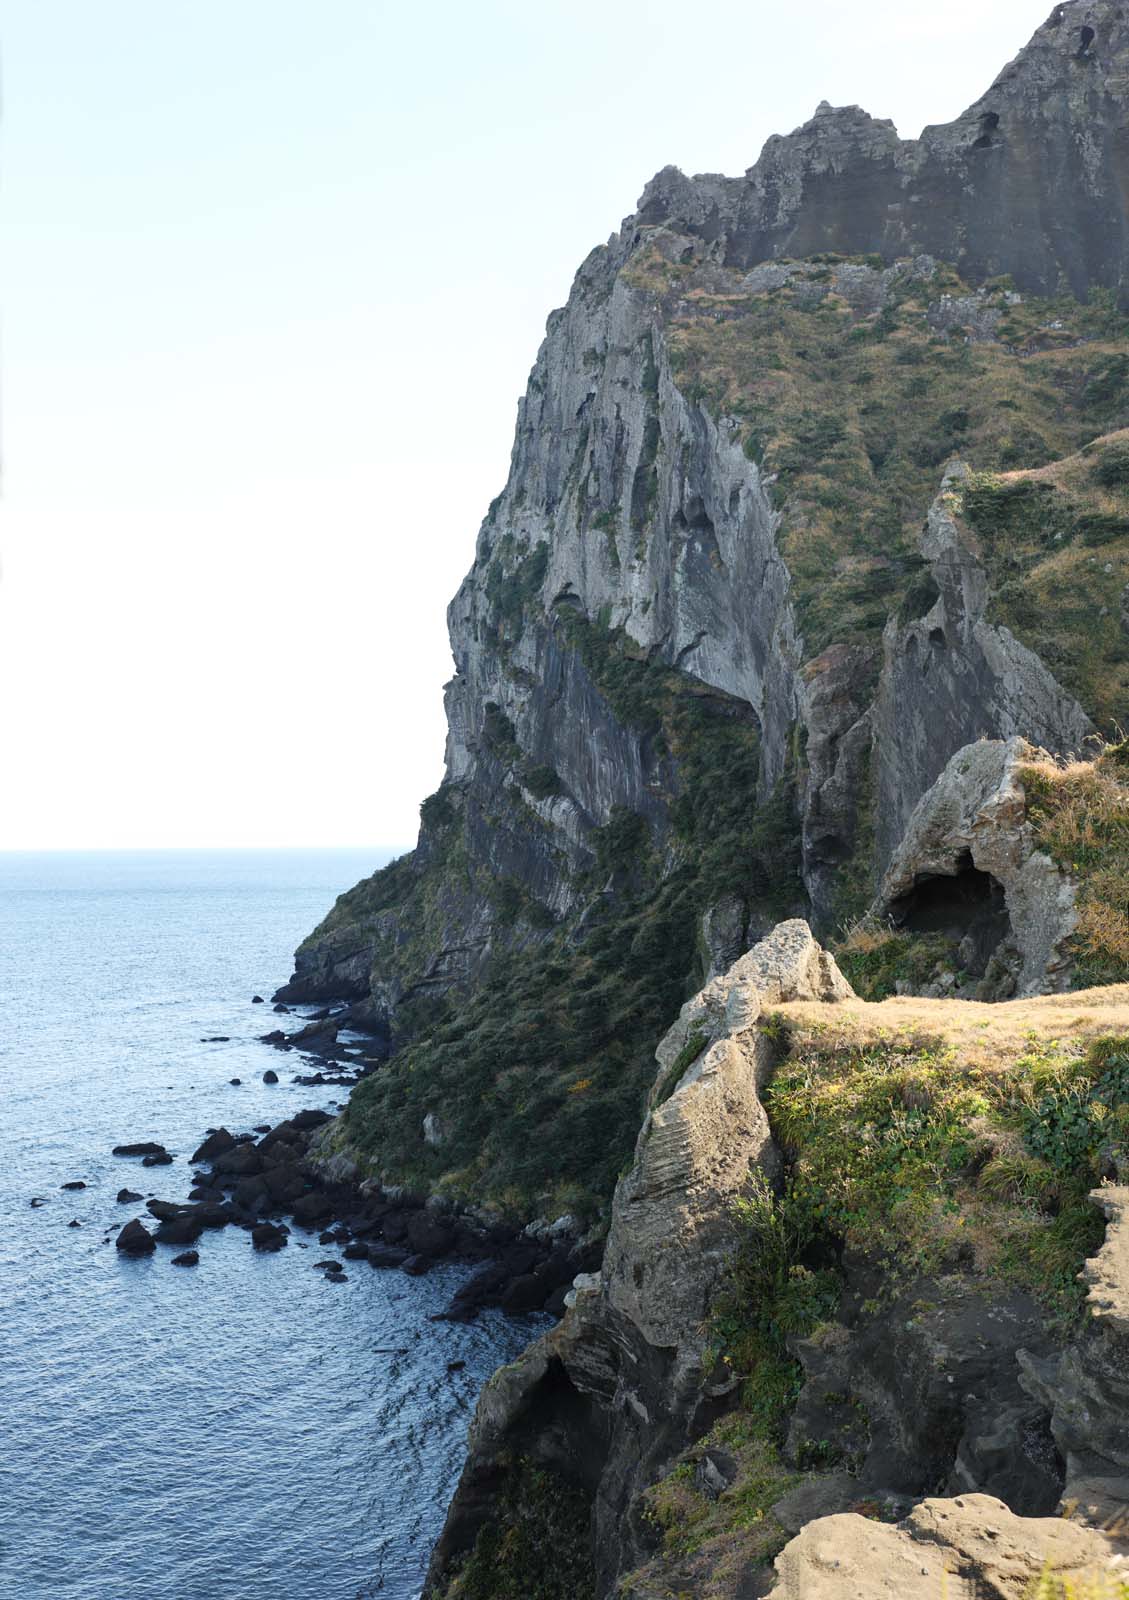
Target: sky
[{"x": 273, "y": 276}]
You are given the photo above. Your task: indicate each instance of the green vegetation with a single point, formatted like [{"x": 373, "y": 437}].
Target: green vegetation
[
  {"x": 540, "y": 1075},
  {"x": 1056, "y": 547},
  {"x": 769, "y": 1295},
  {"x": 1080, "y": 814},
  {"x": 874, "y": 960},
  {"x": 856, "y": 411},
  {"x": 772, "y": 1293},
  {"x": 920, "y": 1158},
  {"x": 535, "y": 1545}
]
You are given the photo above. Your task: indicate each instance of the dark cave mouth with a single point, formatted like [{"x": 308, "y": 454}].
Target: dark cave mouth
[{"x": 967, "y": 906}]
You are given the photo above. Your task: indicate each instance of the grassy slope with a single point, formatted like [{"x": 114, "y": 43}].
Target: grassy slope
[
  {"x": 931, "y": 1137},
  {"x": 856, "y": 413}
]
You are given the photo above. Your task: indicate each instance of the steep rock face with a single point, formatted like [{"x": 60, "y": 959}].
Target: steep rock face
[
  {"x": 1028, "y": 181},
  {"x": 1087, "y": 1389},
  {"x": 639, "y": 504},
  {"x": 613, "y": 1392},
  {"x": 950, "y": 675}
]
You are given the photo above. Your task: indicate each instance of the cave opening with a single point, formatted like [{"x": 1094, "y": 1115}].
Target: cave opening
[
  {"x": 967, "y": 906},
  {"x": 1086, "y": 39},
  {"x": 989, "y": 122}
]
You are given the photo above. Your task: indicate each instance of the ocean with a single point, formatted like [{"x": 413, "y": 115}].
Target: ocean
[{"x": 242, "y": 1428}]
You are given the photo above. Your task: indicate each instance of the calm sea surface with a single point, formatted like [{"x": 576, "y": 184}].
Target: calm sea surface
[{"x": 241, "y": 1429}]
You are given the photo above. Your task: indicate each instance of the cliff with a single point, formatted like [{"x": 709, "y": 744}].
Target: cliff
[
  {"x": 732, "y": 612},
  {"x": 807, "y": 597}
]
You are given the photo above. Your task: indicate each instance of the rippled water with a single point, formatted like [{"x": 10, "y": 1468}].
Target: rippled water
[{"x": 242, "y": 1428}]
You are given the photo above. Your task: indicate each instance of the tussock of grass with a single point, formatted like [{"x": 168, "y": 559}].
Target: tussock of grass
[
  {"x": 875, "y": 959},
  {"x": 1080, "y": 814}
]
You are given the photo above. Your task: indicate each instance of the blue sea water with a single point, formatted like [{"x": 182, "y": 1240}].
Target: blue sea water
[{"x": 243, "y": 1428}]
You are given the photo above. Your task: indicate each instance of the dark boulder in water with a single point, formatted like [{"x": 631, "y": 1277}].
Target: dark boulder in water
[
  {"x": 270, "y": 1076},
  {"x": 145, "y": 1148},
  {"x": 74, "y": 1223},
  {"x": 312, "y": 1209},
  {"x": 184, "y": 1228},
  {"x": 187, "y": 1258},
  {"x": 127, "y": 1197},
  {"x": 328, "y": 1266},
  {"x": 356, "y": 1251},
  {"x": 217, "y": 1142},
  {"x": 257, "y": 1000},
  {"x": 76, "y": 1183},
  {"x": 235, "y": 1082},
  {"x": 160, "y": 1159},
  {"x": 135, "y": 1239},
  {"x": 386, "y": 1255},
  {"x": 268, "y": 1236}
]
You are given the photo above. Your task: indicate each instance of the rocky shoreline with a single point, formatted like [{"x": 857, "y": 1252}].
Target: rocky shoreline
[{"x": 277, "y": 1180}]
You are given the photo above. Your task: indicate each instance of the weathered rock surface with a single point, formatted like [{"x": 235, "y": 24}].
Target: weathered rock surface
[
  {"x": 1086, "y": 1390},
  {"x": 969, "y": 854},
  {"x": 614, "y": 1391},
  {"x": 951, "y": 675},
  {"x": 972, "y": 1547},
  {"x": 972, "y": 191}
]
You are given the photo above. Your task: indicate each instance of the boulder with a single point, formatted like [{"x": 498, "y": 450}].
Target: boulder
[
  {"x": 76, "y": 1183},
  {"x": 306, "y": 1121},
  {"x": 250, "y": 1193},
  {"x": 187, "y": 1258},
  {"x": 146, "y": 1148},
  {"x": 218, "y": 1141},
  {"x": 284, "y": 1184},
  {"x": 270, "y": 1076},
  {"x": 994, "y": 1552},
  {"x": 524, "y": 1294},
  {"x": 311, "y": 1210},
  {"x": 386, "y": 1255},
  {"x": 184, "y": 1228},
  {"x": 257, "y": 1000},
  {"x": 428, "y": 1234},
  {"x": 160, "y": 1159},
  {"x": 240, "y": 1161},
  {"x": 127, "y": 1197},
  {"x": 268, "y": 1236},
  {"x": 135, "y": 1239},
  {"x": 416, "y": 1266}
]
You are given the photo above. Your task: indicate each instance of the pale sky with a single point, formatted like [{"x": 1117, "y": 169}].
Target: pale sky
[{"x": 274, "y": 274}]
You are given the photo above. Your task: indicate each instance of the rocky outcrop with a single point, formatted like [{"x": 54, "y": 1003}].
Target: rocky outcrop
[
  {"x": 971, "y": 1548},
  {"x": 974, "y": 191},
  {"x": 610, "y": 1395},
  {"x": 1086, "y": 1390},
  {"x": 952, "y": 675},
  {"x": 969, "y": 864}
]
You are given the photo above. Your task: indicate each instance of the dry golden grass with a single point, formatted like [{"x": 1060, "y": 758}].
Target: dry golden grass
[
  {"x": 983, "y": 1035},
  {"x": 1080, "y": 813}
]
